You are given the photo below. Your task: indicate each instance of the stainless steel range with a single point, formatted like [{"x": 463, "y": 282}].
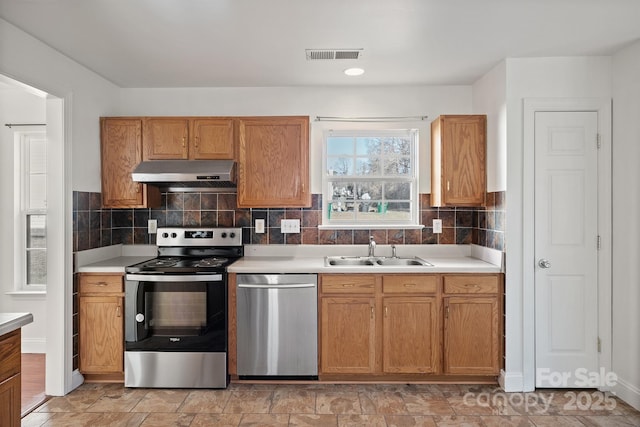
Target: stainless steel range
[{"x": 176, "y": 310}]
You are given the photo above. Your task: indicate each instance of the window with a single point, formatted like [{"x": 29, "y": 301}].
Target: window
[
  {"x": 370, "y": 179},
  {"x": 31, "y": 232}
]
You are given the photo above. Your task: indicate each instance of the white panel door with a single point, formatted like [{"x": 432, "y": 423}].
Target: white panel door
[{"x": 566, "y": 253}]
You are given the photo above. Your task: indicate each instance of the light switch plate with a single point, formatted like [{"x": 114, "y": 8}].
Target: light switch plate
[
  {"x": 290, "y": 226},
  {"x": 259, "y": 225},
  {"x": 152, "y": 226},
  {"x": 437, "y": 226}
]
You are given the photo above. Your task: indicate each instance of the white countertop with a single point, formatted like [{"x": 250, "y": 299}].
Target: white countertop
[
  {"x": 317, "y": 265},
  {"x": 113, "y": 265},
  {"x": 113, "y": 259},
  {"x": 311, "y": 259},
  {"x": 9, "y": 322}
]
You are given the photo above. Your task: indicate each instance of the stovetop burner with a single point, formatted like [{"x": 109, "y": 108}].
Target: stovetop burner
[
  {"x": 211, "y": 262},
  {"x": 188, "y": 251}
]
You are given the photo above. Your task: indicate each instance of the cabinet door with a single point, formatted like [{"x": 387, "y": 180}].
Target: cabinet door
[
  {"x": 121, "y": 143},
  {"x": 458, "y": 145},
  {"x": 165, "y": 138},
  {"x": 101, "y": 335},
  {"x": 347, "y": 335},
  {"x": 472, "y": 335},
  {"x": 410, "y": 335},
  {"x": 273, "y": 157},
  {"x": 10, "y": 402},
  {"x": 211, "y": 138}
]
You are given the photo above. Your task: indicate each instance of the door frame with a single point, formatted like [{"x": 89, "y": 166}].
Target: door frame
[{"x": 603, "y": 107}]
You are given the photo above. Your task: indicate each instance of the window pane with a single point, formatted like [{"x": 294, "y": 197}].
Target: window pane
[
  {"x": 368, "y": 146},
  {"x": 369, "y": 190},
  {"x": 398, "y": 191},
  {"x": 340, "y": 166},
  {"x": 36, "y": 231},
  {"x": 367, "y": 166},
  {"x": 37, "y": 192},
  {"x": 339, "y": 146},
  {"x": 37, "y": 267},
  {"x": 37, "y": 155},
  {"x": 397, "y": 166},
  {"x": 400, "y": 146}
]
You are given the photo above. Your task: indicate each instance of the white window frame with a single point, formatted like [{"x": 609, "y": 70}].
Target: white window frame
[
  {"x": 21, "y": 183},
  {"x": 413, "y": 179}
]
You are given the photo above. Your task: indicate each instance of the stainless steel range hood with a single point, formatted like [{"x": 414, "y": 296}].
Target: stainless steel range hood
[{"x": 186, "y": 175}]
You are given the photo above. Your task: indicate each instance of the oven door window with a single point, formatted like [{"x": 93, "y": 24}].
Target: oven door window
[{"x": 185, "y": 316}]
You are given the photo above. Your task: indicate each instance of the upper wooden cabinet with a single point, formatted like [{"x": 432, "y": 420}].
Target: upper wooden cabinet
[
  {"x": 195, "y": 138},
  {"x": 273, "y": 162},
  {"x": 458, "y": 160},
  {"x": 121, "y": 146}
]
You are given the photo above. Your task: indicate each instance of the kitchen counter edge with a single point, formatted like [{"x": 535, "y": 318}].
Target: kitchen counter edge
[{"x": 9, "y": 322}]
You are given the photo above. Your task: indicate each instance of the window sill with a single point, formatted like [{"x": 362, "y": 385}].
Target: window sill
[
  {"x": 370, "y": 227},
  {"x": 28, "y": 294}
]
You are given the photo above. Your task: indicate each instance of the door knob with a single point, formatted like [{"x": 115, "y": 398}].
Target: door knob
[{"x": 544, "y": 263}]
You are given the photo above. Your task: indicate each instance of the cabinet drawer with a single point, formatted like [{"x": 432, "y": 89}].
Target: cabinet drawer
[
  {"x": 471, "y": 284},
  {"x": 347, "y": 284},
  {"x": 409, "y": 284},
  {"x": 10, "y": 354},
  {"x": 101, "y": 283}
]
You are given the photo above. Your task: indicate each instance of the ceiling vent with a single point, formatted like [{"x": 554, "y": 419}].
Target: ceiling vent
[{"x": 314, "y": 54}]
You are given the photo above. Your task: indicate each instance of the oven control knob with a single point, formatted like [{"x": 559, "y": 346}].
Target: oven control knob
[
  {"x": 224, "y": 235},
  {"x": 139, "y": 317},
  {"x": 165, "y": 235},
  {"x": 174, "y": 235},
  {"x": 232, "y": 235}
]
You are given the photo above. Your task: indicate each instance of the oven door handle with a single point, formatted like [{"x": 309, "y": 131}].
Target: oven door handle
[
  {"x": 283, "y": 286},
  {"x": 175, "y": 278}
]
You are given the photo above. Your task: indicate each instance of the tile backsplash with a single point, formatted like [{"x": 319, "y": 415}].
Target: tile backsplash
[{"x": 95, "y": 227}]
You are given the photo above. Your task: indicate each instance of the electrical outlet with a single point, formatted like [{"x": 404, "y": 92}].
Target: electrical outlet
[
  {"x": 290, "y": 226},
  {"x": 259, "y": 225},
  {"x": 437, "y": 226},
  {"x": 152, "y": 226}
]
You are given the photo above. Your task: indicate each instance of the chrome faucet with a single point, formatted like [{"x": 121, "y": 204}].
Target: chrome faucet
[
  {"x": 372, "y": 247},
  {"x": 393, "y": 251}
]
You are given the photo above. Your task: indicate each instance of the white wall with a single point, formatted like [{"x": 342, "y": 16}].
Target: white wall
[
  {"x": 86, "y": 97},
  {"x": 310, "y": 101},
  {"x": 626, "y": 232},
  {"x": 579, "y": 77},
  {"x": 490, "y": 98},
  {"x": 17, "y": 106}
]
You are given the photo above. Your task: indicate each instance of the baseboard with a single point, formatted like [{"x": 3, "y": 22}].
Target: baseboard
[
  {"x": 511, "y": 382},
  {"x": 627, "y": 392},
  {"x": 76, "y": 379},
  {"x": 34, "y": 345}
]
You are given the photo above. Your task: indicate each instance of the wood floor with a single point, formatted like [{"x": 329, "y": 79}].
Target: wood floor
[{"x": 32, "y": 381}]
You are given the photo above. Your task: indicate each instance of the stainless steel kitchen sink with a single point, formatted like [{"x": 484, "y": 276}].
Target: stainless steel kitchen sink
[
  {"x": 403, "y": 261},
  {"x": 351, "y": 261},
  {"x": 355, "y": 261}
]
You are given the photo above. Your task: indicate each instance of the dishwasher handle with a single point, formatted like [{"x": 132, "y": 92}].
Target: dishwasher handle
[{"x": 275, "y": 286}]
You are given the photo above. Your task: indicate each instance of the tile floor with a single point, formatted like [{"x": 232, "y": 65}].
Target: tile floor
[{"x": 331, "y": 405}]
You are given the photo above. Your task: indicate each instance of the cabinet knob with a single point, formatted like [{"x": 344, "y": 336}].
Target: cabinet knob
[{"x": 196, "y": 141}]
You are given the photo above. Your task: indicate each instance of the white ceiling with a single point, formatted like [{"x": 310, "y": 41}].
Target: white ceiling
[{"x": 216, "y": 43}]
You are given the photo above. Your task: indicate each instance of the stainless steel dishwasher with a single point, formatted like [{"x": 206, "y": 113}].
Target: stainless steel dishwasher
[{"x": 277, "y": 325}]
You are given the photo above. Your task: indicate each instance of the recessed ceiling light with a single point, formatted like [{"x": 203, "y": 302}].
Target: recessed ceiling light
[{"x": 354, "y": 71}]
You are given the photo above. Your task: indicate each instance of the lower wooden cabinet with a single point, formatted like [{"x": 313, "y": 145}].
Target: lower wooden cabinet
[
  {"x": 10, "y": 379},
  {"x": 410, "y": 324},
  {"x": 410, "y": 335},
  {"x": 101, "y": 325},
  {"x": 348, "y": 335},
  {"x": 472, "y": 319},
  {"x": 379, "y": 324}
]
